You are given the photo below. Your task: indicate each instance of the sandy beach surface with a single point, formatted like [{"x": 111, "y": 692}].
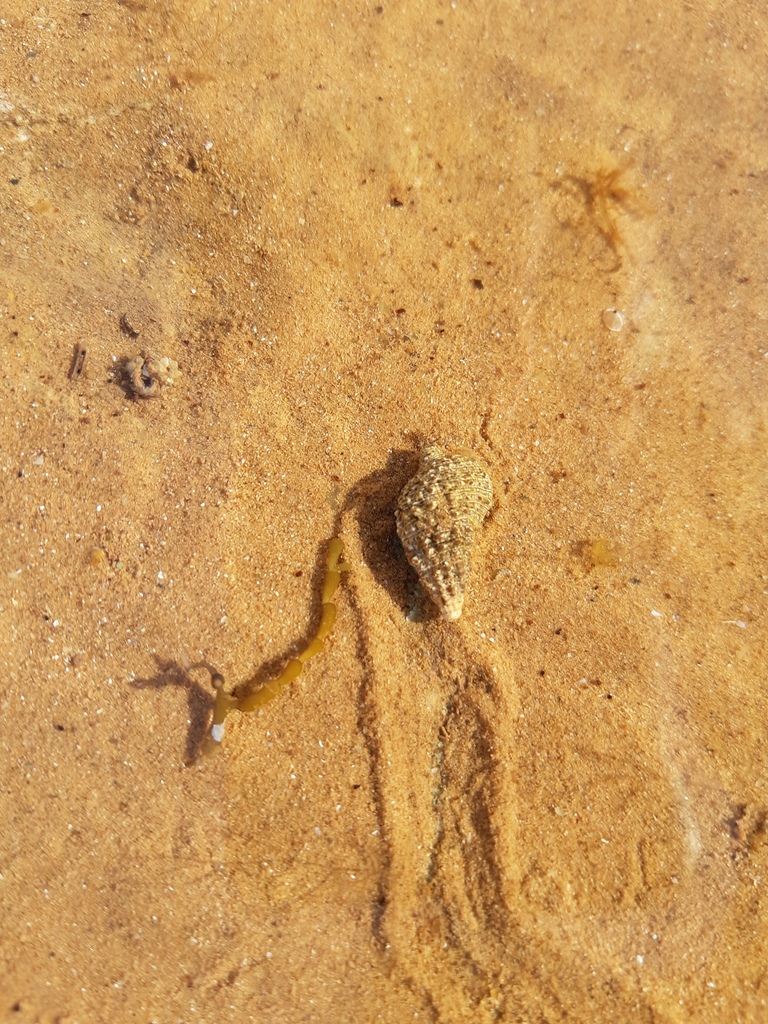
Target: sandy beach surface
[{"x": 535, "y": 231}]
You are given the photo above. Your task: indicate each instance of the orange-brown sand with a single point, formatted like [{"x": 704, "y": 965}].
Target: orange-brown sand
[{"x": 536, "y": 231}]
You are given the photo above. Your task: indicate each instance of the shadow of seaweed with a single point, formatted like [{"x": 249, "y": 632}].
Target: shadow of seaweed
[{"x": 200, "y": 701}]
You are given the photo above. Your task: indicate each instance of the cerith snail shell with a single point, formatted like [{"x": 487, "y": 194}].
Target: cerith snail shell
[{"x": 438, "y": 513}]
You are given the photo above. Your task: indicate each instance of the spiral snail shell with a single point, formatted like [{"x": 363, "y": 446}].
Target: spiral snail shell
[{"x": 438, "y": 514}]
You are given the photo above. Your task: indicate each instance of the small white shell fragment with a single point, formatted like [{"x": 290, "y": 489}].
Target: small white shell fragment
[{"x": 613, "y": 319}]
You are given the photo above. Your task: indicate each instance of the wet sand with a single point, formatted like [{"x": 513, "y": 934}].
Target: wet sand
[{"x": 534, "y": 232}]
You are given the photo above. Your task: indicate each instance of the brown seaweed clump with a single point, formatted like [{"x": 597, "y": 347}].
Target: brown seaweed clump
[{"x": 438, "y": 514}]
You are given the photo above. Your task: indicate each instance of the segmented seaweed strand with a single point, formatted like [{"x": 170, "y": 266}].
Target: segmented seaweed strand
[{"x": 225, "y": 703}]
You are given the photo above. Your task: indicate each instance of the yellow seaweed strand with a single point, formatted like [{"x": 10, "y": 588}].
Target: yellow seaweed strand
[{"x": 225, "y": 703}]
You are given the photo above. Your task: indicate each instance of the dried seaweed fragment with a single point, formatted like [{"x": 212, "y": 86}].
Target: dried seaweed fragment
[{"x": 335, "y": 566}]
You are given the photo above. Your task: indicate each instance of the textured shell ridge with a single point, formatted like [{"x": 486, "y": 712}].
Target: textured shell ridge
[{"x": 438, "y": 514}]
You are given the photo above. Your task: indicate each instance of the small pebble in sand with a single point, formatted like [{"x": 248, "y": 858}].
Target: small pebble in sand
[
  {"x": 97, "y": 558},
  {"x": 148, "y": 374},
  {"x": 613, "y": 319},
  {"x": 438, "y": 513}
]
